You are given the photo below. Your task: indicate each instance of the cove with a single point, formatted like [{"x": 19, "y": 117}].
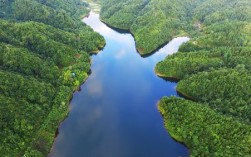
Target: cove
[{"x": 115, "y": 113}]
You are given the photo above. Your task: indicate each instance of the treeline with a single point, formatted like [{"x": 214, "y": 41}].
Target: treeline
[
  {"x": 203, "y": 130},
  {"x": 226, "y": 90},
  {"x": 44, "y": 49},
  {"x": 60, "y": 14},
  {"x": 214, "y": 68}
]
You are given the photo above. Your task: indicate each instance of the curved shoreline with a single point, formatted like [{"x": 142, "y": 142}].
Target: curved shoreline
[
  {"x": 176, "y": 79},
  {"x": 68, "y": 111},
  {"x": 184, "y": 95},
  {"x": 167, "y": 78},
  {"x": 171, "y": 78},
  {"x": 124, "y": 30},
  {"x": 74, "y": 91},
  {"x": 169, "y": 130}
]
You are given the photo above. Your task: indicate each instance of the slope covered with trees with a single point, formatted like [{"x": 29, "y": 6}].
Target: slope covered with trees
[
  {"x": 153, "y": 23},
  {"x": 207, "y": 132},
  {"x": 214, "y": 67},
  {"x": 44, "y": 51}
]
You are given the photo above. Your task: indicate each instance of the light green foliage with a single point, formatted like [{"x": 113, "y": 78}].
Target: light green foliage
[
  {"x": 40, "y": 41},
  {"x": 182, "y": 64}
]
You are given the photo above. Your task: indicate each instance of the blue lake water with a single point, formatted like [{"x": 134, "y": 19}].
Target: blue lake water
[{"x": 115, "y": 113}]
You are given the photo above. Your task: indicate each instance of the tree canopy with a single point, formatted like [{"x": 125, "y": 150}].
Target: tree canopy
[{"x": 42, "y": 44}]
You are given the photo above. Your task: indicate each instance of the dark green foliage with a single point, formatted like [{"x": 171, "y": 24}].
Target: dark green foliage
[
  {"x": 42, "y": 43},
  {"x": 20, "y": 120},
  {"x": 204, "y": 130},
  {"x": 226, "y": 90},
  {"x": 29, "y": 89},
  {"x": 122, "y": 14},
  {"x": 48, "y": 13},
  {"x": 27, "y": 63}
]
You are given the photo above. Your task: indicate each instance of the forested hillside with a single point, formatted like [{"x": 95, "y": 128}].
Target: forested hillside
[
  {"x": 44, "y": 49},
  {"x": 214, "y": 67},
  {"x": 153, "y": 23}
]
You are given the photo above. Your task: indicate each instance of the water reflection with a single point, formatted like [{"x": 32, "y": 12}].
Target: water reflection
[{"x": 115, "y": 114}]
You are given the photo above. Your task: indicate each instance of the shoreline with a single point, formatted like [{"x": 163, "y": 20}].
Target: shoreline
[
  {"x": 124, "y": 30},
  {"x": 88, "y": 74},
  {"x": 72, "y": 94},
  {"x": 176, "y": 79},
  {"x": 184, "y": 95},
  {"x": 68, "y": 111},
  {"x": 168, "y": 78},
  {"x": 170, "y": 132},
  {"x": 171, "y": 78},
  {"x": 68, "y": 104}
]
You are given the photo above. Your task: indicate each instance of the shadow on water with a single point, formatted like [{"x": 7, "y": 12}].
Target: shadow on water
[
  {"x": 126, "y": 31},
  {"x": 118, "y": 30},
  {"x": 170, "y": 79},
  {"x": 153, "y": 52},
  {"x": 184, "y": 96},
  {"x": 115, "y": 114}
]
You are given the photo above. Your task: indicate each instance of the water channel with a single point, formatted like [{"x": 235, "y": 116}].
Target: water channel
[{"x": 115, "y": 113}]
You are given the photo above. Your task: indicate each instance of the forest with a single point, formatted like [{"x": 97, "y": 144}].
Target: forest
[
  {"x": 45, "y": 56},
  {"x": 213, "y": 68}
]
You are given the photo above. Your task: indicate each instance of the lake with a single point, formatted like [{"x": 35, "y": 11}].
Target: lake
[{"x": 115, "y": 114}]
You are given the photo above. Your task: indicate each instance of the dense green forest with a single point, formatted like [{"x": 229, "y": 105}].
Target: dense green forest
[
  {"x": 214, "y": 67},
  {"x": 45, "y": 55},
  {"x": 153, "y": 23},
  {"x": 207, "y": 132}
]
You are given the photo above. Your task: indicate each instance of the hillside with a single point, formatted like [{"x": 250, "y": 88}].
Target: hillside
[
  {"x": 214, "y": 67},
  {"x": 44, "y": 49},
  {"x": 153, "y": 23}
]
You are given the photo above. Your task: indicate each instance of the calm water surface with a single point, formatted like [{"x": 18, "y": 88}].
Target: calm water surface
[{"x": 115, "y": 113}]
